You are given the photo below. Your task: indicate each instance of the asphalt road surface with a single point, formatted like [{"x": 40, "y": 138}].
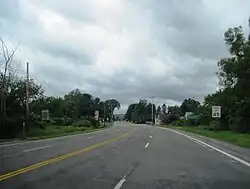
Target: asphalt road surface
[{"x": 124, "y": 156}]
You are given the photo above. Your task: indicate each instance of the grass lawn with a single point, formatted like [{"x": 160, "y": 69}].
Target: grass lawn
[
  {"x": 56, "y": 131},
  {"x": 241, "y": 139}
]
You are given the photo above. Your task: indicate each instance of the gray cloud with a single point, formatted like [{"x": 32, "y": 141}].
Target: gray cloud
[
  {"x": 123, "y": 49},
  {"x": 65, "y": 51}
]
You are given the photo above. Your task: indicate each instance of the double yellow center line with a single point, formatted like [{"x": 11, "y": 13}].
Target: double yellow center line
[{"x": 60, "y": 158}]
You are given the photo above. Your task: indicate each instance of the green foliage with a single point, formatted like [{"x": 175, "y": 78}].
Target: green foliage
[
  {"x": 63, "y": 111},
  {"x": 82, "y": 123},
  {"x": 164, "y": 109},
  {"x": 179, "y": 123},
  {"x": 189, "y": 105},
  {"x": 234, "y": 95},
  {"x": 214, "y": 125},
  {"x": 95, "y": 123},
  {"x": 130, "y": 110},
  {"x": 53, "y": 131},
  {"x": 140, "y": 112},
  {"x": 169, "y": 118},
  {"x": 13, "y": 101},
  {"x": 158, "y": 111},
  {"x": 176, "y": 110},
  {"x": 228, "y": 136}
]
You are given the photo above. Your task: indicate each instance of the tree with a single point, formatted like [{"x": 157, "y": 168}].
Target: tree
[
  {"x": 164, "y": 109},
  {"x": 140, "y": 112},
  {"x": 15, "y": 104},
  {"x": 174, "y": 110},
  {"x": 234, "y": 75},
  {"x": 5, "y": 77},
  {"x": 189, "y": 105},
  {"x": 158, "y": 111},
  {"x": 129, "y": 112}
]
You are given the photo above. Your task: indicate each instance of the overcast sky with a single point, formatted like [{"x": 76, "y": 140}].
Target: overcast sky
[{"x": 122, "y": 49}]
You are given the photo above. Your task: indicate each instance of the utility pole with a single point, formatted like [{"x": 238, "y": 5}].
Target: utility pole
[
  {"x": 152, "y": 110},
  {"x": 111, "y": 113},
  {"x": 104, "y": 117},
  {"x": 27, "y": 98}
]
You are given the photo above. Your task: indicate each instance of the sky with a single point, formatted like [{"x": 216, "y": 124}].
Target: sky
[{"x": 122, "y": 49}]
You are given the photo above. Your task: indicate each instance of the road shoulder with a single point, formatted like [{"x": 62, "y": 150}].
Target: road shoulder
[{"x": 242, "y": 153}]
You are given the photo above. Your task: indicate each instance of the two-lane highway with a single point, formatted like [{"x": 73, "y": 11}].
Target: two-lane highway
[{"x": 124, "y": 156}]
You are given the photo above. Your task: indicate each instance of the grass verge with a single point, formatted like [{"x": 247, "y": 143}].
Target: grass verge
[
  {"x": 240, "y": 139},
  {"x": 52, "y": 131}
]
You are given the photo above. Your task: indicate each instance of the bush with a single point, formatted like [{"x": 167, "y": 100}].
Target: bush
[
  {"x": 61, "y": 120},
  {"x": 169, "y": 118},
  {"x": 95, "y": 123},
  {"x": 239, "y": 124},
  {"x": 82, "y": 123},
  {"x": 35, "y": 121},
  {"x": 214, "y": 125},
  {"x": 178, "y": 122},
  {"x": 13, "y": 127}
]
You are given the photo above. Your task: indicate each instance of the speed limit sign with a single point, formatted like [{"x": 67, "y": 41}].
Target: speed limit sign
[{"x": 216, "y": 111}]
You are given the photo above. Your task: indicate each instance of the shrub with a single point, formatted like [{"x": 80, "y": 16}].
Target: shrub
[
  {"x": 94, "y": 122},
  {"x": 35, "y": 121},
  {"x": 178, "y": 122},
  {"x": 239, "y": 124},
  {"x": 214, "y": 125},
  {"x": 169, "y": 118},
  {"x": 82, "y": 123}
]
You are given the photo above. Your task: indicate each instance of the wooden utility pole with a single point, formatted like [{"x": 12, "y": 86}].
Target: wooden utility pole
[
  {"x": 27, "y": 98},
  {"x": 104, "y": 113}
]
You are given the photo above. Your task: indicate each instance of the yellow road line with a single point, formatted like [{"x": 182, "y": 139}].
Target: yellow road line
[{"x": 60, "y": 158}]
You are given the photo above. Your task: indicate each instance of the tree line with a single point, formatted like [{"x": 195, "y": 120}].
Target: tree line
[
  {"x": 64, "y": 110},
  {"x": 233, "y": 95},
  {"x": 140, "y": 112}
]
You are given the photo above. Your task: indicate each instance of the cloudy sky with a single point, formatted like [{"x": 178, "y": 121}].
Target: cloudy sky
[{"x": 123, "y": 49}]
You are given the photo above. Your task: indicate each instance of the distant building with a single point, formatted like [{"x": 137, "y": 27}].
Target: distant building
[{"x": 187, "y": 114}]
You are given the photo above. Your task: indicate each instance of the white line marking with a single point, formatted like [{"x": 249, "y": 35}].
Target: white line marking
[
  {"x": 120, "y": 183},
  {"x": 197, "y": 142},
  {"x": 150, "y": 137},
  {"x": 146, "y": 145},
  {"x": 214, "y": 148},
  {"x": 90, "y": 137},
  {"x": 33, "y": 149}
]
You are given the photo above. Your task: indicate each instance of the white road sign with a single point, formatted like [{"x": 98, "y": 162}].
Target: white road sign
[
  {"x": 96, "y": 114},
  {"x": 216, "y": 111},
  {"x": 45, "y": 115}
]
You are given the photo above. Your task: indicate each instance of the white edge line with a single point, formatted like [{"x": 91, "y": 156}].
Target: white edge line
[
  {"x": 214, "y": 148},
  {"x": 146, "y": 145},
  {"x": 49, "y": 139},
  {"x": 120, "y": 183},
  {"x": 38, "y": 148}
]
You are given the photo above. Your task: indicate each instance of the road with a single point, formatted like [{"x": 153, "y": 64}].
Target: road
[{"x": 125, "y": 156}]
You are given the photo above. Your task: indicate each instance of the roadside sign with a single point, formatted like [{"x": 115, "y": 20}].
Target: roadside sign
[
  {"x": 216, "y": 111},
  {"x": 96, "y": 114},
  {"x": 188, "y": 114},
  {"x": 45, "y": 115}
]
